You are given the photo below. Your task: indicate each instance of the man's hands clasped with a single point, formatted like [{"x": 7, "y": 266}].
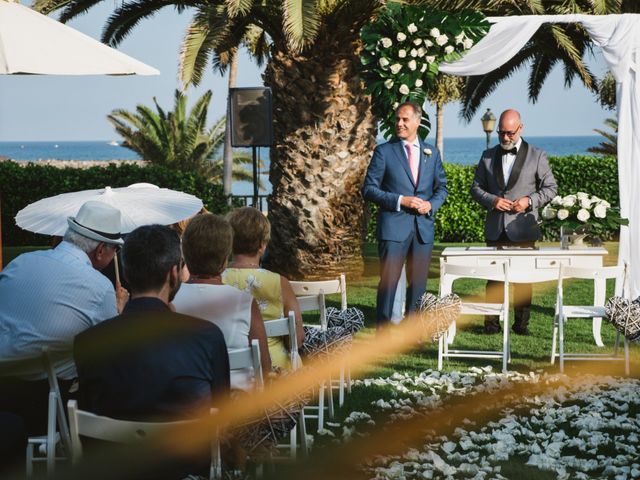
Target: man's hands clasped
[
  {"x": 415, "y": 203},
  {"x": 504, "y": 205}
]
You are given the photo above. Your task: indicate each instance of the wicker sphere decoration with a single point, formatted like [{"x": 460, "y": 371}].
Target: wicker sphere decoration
[
  {"x": 436, "y": 314},
  {"x": 350, "y": 319},
  {"x": 318, "y": 342},
  {"x": 625, "y": 316}
]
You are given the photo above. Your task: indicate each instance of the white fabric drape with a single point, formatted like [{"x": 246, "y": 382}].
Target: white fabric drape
[{"x": 619, "y": 38}]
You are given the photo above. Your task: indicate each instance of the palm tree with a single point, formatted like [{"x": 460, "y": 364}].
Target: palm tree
[
  {"x": 609, "y": 147},
  {"x": 324, "y": 129},
  {"x": 446, "y": 89},
  {"x": 177, "y": 139}
]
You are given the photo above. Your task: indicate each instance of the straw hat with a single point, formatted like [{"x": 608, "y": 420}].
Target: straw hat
[{"x": 98, "y": 221}]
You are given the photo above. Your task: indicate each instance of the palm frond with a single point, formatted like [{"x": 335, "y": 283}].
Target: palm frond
[{"x": 301, "y": 22}]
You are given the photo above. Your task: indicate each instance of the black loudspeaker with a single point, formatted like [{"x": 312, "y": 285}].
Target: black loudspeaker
[{"x": 251, "y": 117}]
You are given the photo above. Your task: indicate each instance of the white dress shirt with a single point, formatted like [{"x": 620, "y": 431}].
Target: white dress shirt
[
  {"x": 415, "y": 145},
  {"x": 508, "y": 159}
]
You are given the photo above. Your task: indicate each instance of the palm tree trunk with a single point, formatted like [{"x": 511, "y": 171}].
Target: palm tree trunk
[
  {"x": 440, "y": 128},
  {"x": 227, "y": 158},
  {"x": 324, "y": 137}
]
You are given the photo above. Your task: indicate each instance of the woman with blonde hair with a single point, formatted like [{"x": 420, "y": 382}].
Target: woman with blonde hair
[
  {"x": 272, "y": 291},
  {"x": 206, "y": 245}
]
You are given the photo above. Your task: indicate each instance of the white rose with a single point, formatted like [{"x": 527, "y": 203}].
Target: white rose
[
  {"x": 422, "y": 51},
  {"x": 430, "y": 58},
  {"x": 417, "y": 41},
  {"x": 569, "y": 201},
  {"x": 423, "y": 68},
  {"x": 557, "y": 200},
  {"x": 459, "y": 38},
  {"x": 386, "y": 42},
  {"x": 428, "y": 43},
  {"x": 402, "y": 53},
  {"x": 401, "y": 37},
  {"x": 605, "y": 203},
  {"x": 582, "y": 195},
  {"x": 467, "y": 43},
  {"x": 396, "y": 105},
  {"x": 434, "y": 32},
  {"x": 442, "y": 39},
  {"x": 419, "y": 83},
  {"x": 413, "y": 53},
  {"x": 585, "y": 203},
  {"x": 412, "y": 65},
  {"x": 583, "y": 215},
  {"x": 548, "y": 213},
  {"x": 594, "y": 199},
  {"x": 404, "y": 89},
  {"x": 383, "y": 62},
  {"x": 388, "y": 83},
  {"x": 600, "y": 211},
  {"x": 412, "y": 28},
  {"x": 395, "y": 68},
  {"x": 448, "y": 49},
  {"x": 563, "y": 214}
]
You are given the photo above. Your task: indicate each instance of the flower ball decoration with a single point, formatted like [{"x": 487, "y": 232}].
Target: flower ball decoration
[
  {"x": 583, "y": 213},
  {"x": 402, "y": 50}
]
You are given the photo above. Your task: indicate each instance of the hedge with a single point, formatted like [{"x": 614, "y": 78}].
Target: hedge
[
  {"x": 22, "y": 185},
  {"x": 461, "y": 219}
]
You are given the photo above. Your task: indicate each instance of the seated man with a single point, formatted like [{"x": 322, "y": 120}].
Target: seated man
[
  {"x": 48, "y": 297},
  {"x": 150, "y": 362}
]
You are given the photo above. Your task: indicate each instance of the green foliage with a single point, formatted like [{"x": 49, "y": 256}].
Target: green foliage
[
  {"x": 22, "y": 186},
  {"x": 461, "y": 219},
  {"x": 610, "y": 145},
  {"x": 402, "y": 50}
]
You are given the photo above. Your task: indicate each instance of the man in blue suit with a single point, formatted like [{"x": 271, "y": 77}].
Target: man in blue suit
[{"x": 407, "y": 181}]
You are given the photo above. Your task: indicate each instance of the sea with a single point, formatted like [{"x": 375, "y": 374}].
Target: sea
[{"x": 464, "y": 151}]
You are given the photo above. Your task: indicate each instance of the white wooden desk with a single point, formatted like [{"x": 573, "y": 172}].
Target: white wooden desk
[{"x": 530, "y": 266}]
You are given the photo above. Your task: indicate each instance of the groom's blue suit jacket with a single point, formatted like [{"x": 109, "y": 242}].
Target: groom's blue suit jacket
[{"x": 389, "y": 176}]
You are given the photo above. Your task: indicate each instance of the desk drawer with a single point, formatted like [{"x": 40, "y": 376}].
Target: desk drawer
[
  {"x": 486, "y": 261},
  {"x": 545, "y": 262}
]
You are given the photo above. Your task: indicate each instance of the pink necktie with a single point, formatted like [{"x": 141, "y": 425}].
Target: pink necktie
[{"x": 413, "y": 163}]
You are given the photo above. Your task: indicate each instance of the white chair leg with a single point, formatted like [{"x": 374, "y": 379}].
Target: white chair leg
[
  {"x": 51, "y": 434},
  {"x": 341, "y": 387},
  {"x": 554, "y": 340},
  {"x": 440, "y": 348},
  {"x": 616, "y": 345},
  {"x": 29, "y": 466},
  {"x": 626, "y": 356},
  {"x": 293, "y": 442},
  {"x": 321, "y": 390},
  {"x": 561, "y": 341},
  {"x": 505, "y": 344},
  {"x": 348, "y": 379},
  {"x": 303, "y": 435},
  {"x": 330, "y": 409}
]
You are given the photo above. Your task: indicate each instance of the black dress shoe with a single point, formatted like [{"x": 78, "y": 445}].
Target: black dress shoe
[
  {"x": 522, "y": 331},
  {"x": 492, "y": 329}
]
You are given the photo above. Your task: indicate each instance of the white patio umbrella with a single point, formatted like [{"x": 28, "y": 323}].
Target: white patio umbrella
[
  {"x": 32, "y": 43},
  {"x": 139, "y": 204}
]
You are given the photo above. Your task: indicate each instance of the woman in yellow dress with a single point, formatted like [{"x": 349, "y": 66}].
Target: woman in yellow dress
[{"x": 272, "y": 291}]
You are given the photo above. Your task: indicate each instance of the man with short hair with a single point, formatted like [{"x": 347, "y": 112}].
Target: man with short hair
[
  {"x": 406, "y": 180},
  {"x": 512, "y": 181},
  {"x": 150, "y": 362},
  {"x": 49, "y": 296}
]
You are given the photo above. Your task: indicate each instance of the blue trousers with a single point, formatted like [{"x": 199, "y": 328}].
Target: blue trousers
[{"x": 393, "y": 256}]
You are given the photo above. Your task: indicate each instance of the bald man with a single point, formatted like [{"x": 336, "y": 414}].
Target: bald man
[{"x": 512, "y": 180}]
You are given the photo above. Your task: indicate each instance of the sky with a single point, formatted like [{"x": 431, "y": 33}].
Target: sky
[{"x": 49, "y": 108}]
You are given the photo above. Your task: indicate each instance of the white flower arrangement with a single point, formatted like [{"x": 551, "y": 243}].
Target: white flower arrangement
[
  {"x": 413, "y": 44},
  {"x": 427, "y": 152},
  {"x": 582, "y": 212}
]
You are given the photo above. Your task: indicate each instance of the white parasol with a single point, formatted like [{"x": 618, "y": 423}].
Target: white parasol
[
  {"x": 139, "y": 204},
  {"x": 33, "y": 43}
]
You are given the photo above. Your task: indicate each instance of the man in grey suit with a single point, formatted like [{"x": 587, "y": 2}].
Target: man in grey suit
[{"x": 512, "y": 180}]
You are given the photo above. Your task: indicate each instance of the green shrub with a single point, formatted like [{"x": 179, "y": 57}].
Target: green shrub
[
  {"x": 21, "y": 186},
  {"x": 461, "y": 219}
]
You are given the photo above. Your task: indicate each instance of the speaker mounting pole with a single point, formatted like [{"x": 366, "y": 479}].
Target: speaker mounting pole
[{"x": 254, "y": 150}]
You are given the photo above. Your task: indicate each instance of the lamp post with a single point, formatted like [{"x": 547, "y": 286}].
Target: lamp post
[{"x": 488, "y": 124}]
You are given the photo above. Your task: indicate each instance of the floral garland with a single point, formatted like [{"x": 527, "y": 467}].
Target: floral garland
[{"x": 402, "y": 50}]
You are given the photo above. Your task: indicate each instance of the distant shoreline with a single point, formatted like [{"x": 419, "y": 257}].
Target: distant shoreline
[{"x": 75, "y": 163}]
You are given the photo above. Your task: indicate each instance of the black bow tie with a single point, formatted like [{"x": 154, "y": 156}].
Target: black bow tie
[{"x": 512, "y": 151}]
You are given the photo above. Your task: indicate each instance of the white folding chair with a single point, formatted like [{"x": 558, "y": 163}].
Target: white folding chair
[
  {"x": 311, "y": 297},
  {"x": 498, "y": 272},
  {"x": 57, "y": 426},
  {"x": 249, "y": 357},
  {"x": 286, "y": 327},
  {"x": 595, "y": 312},
  {"x": 129, "y": 432}
]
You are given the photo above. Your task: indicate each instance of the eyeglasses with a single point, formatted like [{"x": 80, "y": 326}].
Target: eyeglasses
[{"x": 508, "y": 133}]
